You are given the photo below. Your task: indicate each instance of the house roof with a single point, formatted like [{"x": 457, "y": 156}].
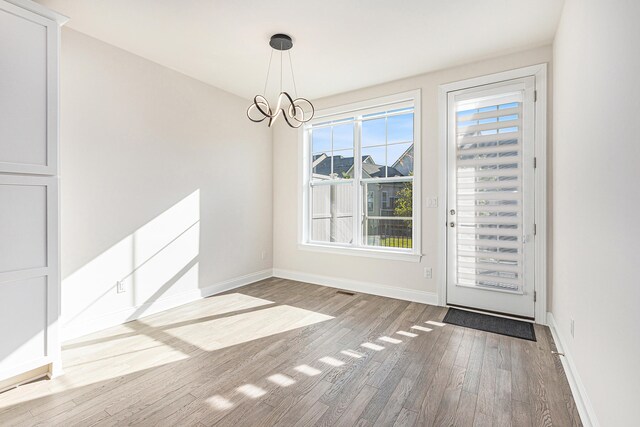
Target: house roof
[{"x": 344, "y": 166}]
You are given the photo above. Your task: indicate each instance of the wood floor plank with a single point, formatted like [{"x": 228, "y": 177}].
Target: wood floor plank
[
  {"x": 446, "y": 412},
  {"x": 204, "y": 364},
  {"x": 406, "y": 418},
  {"x": 435, "y": 392},
  {"x": 502, "y": 410},
  {"x": 466, "y": 409},
  {"x": 487, "y": 385}
]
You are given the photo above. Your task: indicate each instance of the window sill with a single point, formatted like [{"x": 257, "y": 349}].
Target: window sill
[{"x": 363, "y": 252}]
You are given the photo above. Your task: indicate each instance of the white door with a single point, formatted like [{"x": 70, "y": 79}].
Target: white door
[{"x": 490, "y": 206}]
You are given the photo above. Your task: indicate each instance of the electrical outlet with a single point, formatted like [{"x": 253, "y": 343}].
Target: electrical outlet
[
  {"x": 120, "y": 287},
  {"x": 432, "y": 202},
  {"x": 573, "y": 325},
  {"x": 428, "y": 273}
]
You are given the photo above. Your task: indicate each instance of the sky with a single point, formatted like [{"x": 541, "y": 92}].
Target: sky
[{"x": 385, "y": 142}]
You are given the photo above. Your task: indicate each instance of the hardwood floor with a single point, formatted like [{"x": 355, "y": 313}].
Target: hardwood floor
[{"x": 287, "y": 353}]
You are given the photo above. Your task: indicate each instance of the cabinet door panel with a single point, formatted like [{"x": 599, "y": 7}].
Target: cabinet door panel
[
  {"x": 24, "y": 316},
  {"x": 23, "y": 85},
  {"x": 23, "y": 226}
]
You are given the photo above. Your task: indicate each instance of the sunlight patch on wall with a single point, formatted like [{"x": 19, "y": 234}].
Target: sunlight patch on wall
[{"x": 155, "y": 260}]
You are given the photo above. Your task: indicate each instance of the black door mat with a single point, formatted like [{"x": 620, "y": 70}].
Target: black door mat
[{"x": 488, "y": 323}]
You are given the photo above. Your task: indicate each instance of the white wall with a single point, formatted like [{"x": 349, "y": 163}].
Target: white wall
[
  {"x": 165, "y": 185},
  {"x": 596, "y": 202},
  {"x": 405, "y": 279}
]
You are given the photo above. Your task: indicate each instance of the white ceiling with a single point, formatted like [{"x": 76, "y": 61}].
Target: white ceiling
[{"x": 339, "y": 45}]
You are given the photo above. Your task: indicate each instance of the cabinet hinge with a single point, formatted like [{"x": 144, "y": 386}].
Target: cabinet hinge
[
  {"x": 535, "y": 162},
  {"x": 535, "y": 96},
  {"x": 535, "y": 229},
  {"x": 535, "y": 296}
]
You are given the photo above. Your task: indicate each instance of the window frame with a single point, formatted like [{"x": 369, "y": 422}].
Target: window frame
[{"x": 357, "y": 110}]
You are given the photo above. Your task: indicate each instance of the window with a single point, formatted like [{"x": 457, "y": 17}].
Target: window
[{"x": 360, "y": 169}]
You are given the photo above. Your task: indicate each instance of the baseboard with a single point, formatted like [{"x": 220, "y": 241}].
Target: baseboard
[
  {"x": 358, "y": 286},
  {"x": 24, "y": 377},
  {"x": 84, "y": 327},
  {"x": 583, "y": 404}
]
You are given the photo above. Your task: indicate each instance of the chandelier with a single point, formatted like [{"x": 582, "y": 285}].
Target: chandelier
[{"x": 295, "y": 111}]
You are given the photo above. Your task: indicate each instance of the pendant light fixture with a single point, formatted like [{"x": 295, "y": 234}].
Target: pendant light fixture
[{"x": 295, "y": 111}]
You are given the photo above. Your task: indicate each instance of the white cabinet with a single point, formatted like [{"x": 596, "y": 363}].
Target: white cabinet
[{"x": 29, "y": 224}]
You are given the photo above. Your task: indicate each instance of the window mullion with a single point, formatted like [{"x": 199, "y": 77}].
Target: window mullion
[{"x": 357, "y": 190}]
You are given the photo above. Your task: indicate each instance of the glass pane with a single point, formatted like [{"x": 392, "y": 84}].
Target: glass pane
[
  {"x": 373, "y": 132},
  {"x": 388, "y": 233},
  {"x": 389, "y": 199},
  {"x": 321, "y": 140},
  {"x": 332, "y": 213},
  {"x": 400, "y": 159},
  {"x": 343, "y": 137},
  {"x": 400, "y": 128},
  {"x": 373, "y": 160},
  {"x": 342, "y": 164},
  {"x": 321, "y": 166}
]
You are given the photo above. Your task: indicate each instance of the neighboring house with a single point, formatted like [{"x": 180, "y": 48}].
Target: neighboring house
[
  {"x": 332, "y": 217},
  {"x": 404, "y": 164},
  {"x": 343, "y": 167}
]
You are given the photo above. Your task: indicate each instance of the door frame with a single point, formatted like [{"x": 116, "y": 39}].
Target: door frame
[{"x": 538, "y": 71}]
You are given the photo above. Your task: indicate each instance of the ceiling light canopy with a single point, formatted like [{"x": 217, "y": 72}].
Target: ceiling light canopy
[{"x": 295, "y": 111}]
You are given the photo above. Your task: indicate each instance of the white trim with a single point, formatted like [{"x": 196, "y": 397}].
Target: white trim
[
  {"x": 83, "y": 326},
  {"x": 583, "y": 403},
  {"x": 358, "y": 286},
  {"x": 539, "y": 71},
  {"x": 365, "y": 252},
  {"x": 40, "y": 10},
  {"x": 361, "y": 106},
  {"x": 358, "y": 249},
  {"x": 23, "y": 368}
]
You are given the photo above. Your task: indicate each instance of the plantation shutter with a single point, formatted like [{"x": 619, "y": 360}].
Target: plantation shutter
[{"x": 488, "y": 161}]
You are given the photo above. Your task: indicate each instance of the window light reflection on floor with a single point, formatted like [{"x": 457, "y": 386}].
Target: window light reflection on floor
[
  {"x": 372, "y": 346},
  {"x": 331, "y": 361},
  {"x": 434, "y": 323},
  {"x": 220, "y": 403},
  {"x": 251, "y": 391},
  {"x": 353, "y": 354},
  {"x": 421, "y": 328},
  {"x": 281, "y": 380},
  {"x": 390, "y": 340},
  {"x": 308, "y": 370},
  {"x": 407, "y": 334}
]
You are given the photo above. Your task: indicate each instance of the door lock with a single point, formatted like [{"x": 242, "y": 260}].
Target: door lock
[
  {"x": 452, "y": 224},
  {"x": 452, "y": 211}
]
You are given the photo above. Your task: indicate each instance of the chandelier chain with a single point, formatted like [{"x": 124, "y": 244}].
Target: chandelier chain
[
  {"x": 268, "y": 70},
  {"x": 280, "y": 67},
  {"x": 293, "y": 77}
]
